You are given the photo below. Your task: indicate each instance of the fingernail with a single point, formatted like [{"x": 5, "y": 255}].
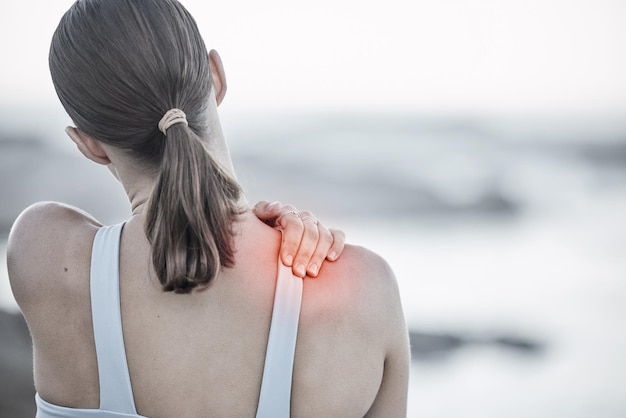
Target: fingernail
[
  {"x": 272, "y": 205},
  {"x": 289, "y": 259},
  {"x": 313, "y": 269},
  {"x": 332, "y": 256},
  {"x": 300, "y": 271}
]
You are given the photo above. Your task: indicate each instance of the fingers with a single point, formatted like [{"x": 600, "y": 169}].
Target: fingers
[
  {"x": 308, "y": 245},
  {"x": 293, "y": 231},
  {"x": 287, "y": 217},
  {"x": 338, "y": 244},
  {"x": 267, "y": 212},
  {"x": 324, "y": 244},
  {"x": 316, "y": 243},
  {"x": 300, "y": 241}
]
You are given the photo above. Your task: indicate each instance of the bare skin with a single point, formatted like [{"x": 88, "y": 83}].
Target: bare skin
[{"x": 190, "y": 354}]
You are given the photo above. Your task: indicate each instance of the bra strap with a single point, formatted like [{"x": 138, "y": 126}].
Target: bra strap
[
  {"x": 116, "y": 393},
  {"x": 275, "y": 396}
]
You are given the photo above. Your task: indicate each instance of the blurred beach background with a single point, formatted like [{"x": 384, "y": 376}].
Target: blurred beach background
[{"x": 480, "y": 148}]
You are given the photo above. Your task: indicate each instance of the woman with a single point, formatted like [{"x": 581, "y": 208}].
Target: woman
[{"x": 184, "y": 310}]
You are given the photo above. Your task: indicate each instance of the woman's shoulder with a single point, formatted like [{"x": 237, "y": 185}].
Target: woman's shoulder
[
  {"x": 368, "y": 265},
  {"x": 351, "y": 326},
  {"x": 362, "y": 269},
  {"x": 359, "y": 285},
  {"x": 50, "y": 210},
  {"x": 49, "y": 242}
]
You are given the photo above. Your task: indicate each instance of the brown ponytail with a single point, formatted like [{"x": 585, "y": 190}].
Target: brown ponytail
[
  {"x": 190, "y": 214},
  {"x": 118, "y": 66}
]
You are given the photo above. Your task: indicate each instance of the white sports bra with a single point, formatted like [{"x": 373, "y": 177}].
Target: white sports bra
[{"x": 116, "y": 393}]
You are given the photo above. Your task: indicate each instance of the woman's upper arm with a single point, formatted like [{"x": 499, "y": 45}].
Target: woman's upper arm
[{"x": 391, "y": 400}]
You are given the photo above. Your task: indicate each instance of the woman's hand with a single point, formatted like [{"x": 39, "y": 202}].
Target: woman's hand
[{"x": 306, "y": 242}]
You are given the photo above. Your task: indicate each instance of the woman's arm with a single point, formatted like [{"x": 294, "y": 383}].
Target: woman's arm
[
  {"x": 391, "y": 400},
  {"x": 306, "y": 242}
]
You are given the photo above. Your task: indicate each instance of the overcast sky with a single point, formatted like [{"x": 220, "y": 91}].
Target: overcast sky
[{"x": 482, "y": 56}]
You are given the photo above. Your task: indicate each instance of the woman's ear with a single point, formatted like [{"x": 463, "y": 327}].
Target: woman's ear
[
  {"x": 88, "y": 146},
  {"x": 218, "y": 75}
]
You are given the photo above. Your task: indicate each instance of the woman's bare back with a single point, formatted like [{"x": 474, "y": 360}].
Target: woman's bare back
[{"x": 202, "y": 354}]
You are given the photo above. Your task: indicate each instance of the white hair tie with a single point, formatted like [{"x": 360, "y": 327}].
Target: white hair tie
[{"x": 172, "y": 117}]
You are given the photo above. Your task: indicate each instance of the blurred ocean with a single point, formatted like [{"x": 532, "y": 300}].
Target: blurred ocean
[{"x": 508, "y": 238}]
